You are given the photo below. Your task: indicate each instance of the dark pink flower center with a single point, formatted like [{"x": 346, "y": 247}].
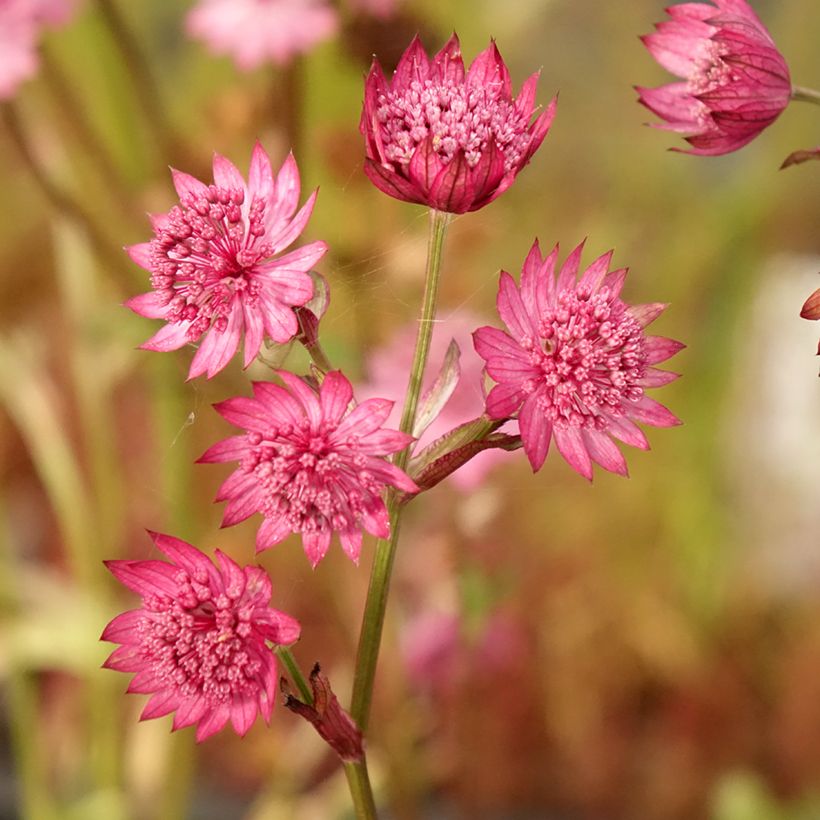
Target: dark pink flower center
[
  {"x": 459, "y": 118},
  {"x": 310, "y": 480},
  {"x": 591, "y": 354},
  {"x": 201, "y": 643},
  {"x": 710, "y": 71},
  {"x": 205, "y": 254}
]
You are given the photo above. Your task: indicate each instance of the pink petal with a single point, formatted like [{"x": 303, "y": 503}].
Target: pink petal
[
  {"x": 605, "y": 452},
  {"x": 186, "y": 185},
  {"x": 335, "y": 395},
  {"x": 141, "y": 254},
  {"x": 226, "y": 174},
  {"x": 316, "y": 545},
  {"x": 536, "y": 431},
  {"x": 152, "y": 305},
  {"x": 571, "y": 445},
  {"x": 170, "y": 337}
]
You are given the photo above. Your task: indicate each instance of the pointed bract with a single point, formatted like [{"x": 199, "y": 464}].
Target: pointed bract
[
  {"x": 736, "y": 82},
  {"x": 574, "y": 362},
  {"x": 449, "y": 139},
  {"x": 310, "y": 463},
  {"x": 199, "y": 644},
  {"x": 216, "y": 270}
]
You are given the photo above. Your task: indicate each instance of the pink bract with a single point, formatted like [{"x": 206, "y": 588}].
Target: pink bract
[
  {"x": 388, "y": 369},
  {"x": 575, "y": 362},
  {"x": 451, "y": 140},
  {"x": 200, "y": 642},
  {"x": 214, "y": 263},
  {"x": 310, "y": 464},
  {"x": 255, "y": 32},
  {"x": 735, "y": 81}
]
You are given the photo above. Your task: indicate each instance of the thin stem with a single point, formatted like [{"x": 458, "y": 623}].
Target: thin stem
[
  {"x": 358, "y": 781},
  {"x": 139, "y": 71},
  {"x": 375, "y": 607},
  {"x": 802, "y": 94},
  {"x": 56, "y": 196},
  {"x": 286, "y": 656}
]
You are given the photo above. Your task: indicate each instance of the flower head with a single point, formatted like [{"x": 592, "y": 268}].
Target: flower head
[
  {"x": 254, "y": 32},
  {"x": 199, "y": 644},
  {"x": 214, "y": 264},
  {"x": 439, "y": 137},
  {"x": 310, "y": 464},
  {"x": 21, "y": 24},
  {"x": 735, "y": 81},
  {"x": 575, "y": 362}
]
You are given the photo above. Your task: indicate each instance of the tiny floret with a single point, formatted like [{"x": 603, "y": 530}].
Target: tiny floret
[
  {"x": 201, "y": 643},
  {"x": 216, "y": 270},
  {"x": 449, "y": 139},
  {"x": 735, "y": 81},
  {"x": 575, "y": 362},
  {"x": 310, "y": 463}
]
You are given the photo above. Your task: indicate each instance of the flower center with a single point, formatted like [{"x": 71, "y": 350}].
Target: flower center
[
  {"x": 197, "y": 643},
  {"x": 204, "y": 256},
  {"x": 459, "y": 118},
  {"x": 591, "y": 354},
  {"x": 710, "y": 71},
  {"x": 312, "y": 482}
]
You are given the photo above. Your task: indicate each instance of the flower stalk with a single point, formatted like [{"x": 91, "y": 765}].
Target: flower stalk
[
  {"x": 376, "y": 604},
  {"x": 802, "y": 94}
]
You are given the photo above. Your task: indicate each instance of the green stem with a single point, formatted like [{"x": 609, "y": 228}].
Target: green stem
[
  {"x": 802, "y": 94},
  {"x": 375, "y": 607},
  {"x": 358, "y": 781},
  {"x": 286, "y": 656}
]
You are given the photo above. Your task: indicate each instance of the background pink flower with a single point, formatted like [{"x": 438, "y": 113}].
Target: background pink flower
[
  {"x": 575, "y": 362},
  {"x": 310, "y": 464},
  {"x": 214, "y": 264},
  {"x": 253, "y": 32},
  {"x": 439, "y": 137},
  {"x": 199, "y": 644},
  {"x": 387, "y": 371},
  {"x": 21, "y": 24},
  {"x": 736, "y": 82}
]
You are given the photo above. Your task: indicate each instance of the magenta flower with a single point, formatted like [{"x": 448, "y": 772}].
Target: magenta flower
[
  {"x": 199, "y": 644},
  {"x": 255, "y": 32},
  {"x": 575, "y": 362},
  {"x": 214, "y": 265},
  {"x": 439, "y": 137},
  {"x": 310, "y": 464},
  {"x": 21, "y": 25},
  {"x": 735, "y": 81}
]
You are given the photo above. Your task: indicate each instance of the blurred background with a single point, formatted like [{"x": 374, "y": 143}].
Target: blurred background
[{"x": 641, "y": 649}]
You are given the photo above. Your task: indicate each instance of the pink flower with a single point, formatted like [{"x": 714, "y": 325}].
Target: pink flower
[
  {"x": 214, "y": 265},
  {"x": 575, "y": 363},
  {"x": 199, "y": 644},
  {"x": 438, "y": 137},
  {"x": 310, "y": 464},
  {"x": 254, "y": 32},
  {"x": 388, "y": 370},
  {"x": 736, "y": 82},
  {"x": 378, "y": 8},
  {"x": 21, "y": 25}
]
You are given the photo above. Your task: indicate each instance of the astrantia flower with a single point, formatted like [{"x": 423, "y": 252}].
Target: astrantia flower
[
  {"x": 735, "y": 81},
  {"x": 575, "y": 362},
  {"x": 254, "y": 32},
  {"x": 200, "y": 642},
  {"x": 310, "y": 464},
  {"x": 214, "y": 264},
  {"x": 21, "y": 24},
  {"x": 439, "y": 137}
]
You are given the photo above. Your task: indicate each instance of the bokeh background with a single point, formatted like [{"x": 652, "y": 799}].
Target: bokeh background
[{"x": 641, "y": 649}]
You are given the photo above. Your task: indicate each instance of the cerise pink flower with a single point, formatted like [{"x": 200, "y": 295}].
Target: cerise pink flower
[
  {"x": 735, "y": 81},
  {"x": 254, "y": 32},
  {"x": 200, "y": 644},
  {"x": 439, "y": 137},
  {"x": 310, "y": 464},
  {"x": 214, "y": 263},
  {"x": 575, "y": 362}
]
